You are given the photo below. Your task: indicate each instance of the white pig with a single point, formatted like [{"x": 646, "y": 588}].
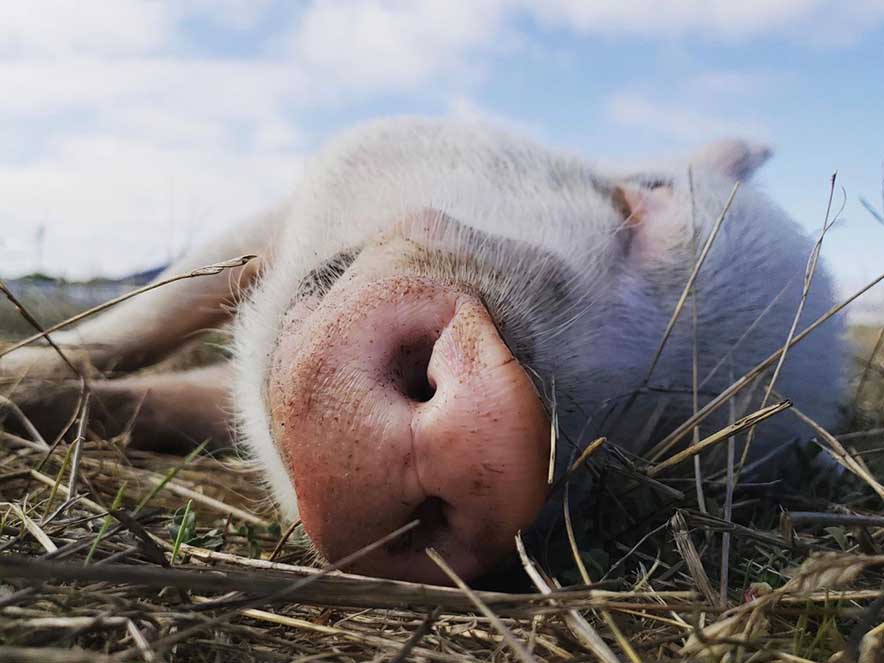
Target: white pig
[{"x": 432, "y": 293}]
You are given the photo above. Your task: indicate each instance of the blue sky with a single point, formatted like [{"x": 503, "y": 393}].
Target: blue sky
[{"x": 129, "y": 130}]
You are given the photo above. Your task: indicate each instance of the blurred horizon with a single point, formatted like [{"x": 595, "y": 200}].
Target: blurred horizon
[{"x": 132, "y": 130}]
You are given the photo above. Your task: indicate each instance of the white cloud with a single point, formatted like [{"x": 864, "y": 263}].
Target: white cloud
[
  {"x": 157, "y": 143},
  {"x": 462, "y": 108},
  {"x": 734, "y": 83},
  {"x": 59, "y": 27},
  {"x": 371, "y": 45},
  {"x": 229, "y": 14},
  {"x": 109, "y": 205},
  {"x": 817, "y": 21},
  {"x": 684, "y": 119},
  {"x": 668, "y": 17},
  {"x": 62, "y": 28},
  {"x": 215, "y": 87}
]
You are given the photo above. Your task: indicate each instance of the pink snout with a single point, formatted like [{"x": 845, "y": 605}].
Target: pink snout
[{"x": 397, "y": 400}]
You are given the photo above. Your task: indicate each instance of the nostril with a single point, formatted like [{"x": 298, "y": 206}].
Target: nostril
[
  {"x": 433, "y": 521},
  {"x": 420, "y": 388},
  {"x": 431, "y": 513},
  {"x": 410, "y": 370}
]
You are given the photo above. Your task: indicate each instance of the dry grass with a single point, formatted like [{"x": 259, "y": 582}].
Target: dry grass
[
  {"x": 109, "y": 554},
  {"x": 180, "y": 570}
]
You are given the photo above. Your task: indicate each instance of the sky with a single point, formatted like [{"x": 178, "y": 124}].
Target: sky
[{"x": 132, "y": 130}]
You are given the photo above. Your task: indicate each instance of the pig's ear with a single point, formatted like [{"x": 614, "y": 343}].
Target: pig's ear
[
  {"x": 637, "y": 204},
  {"x": 651, "y": 224},
  {"x": 738, "y": 159}
]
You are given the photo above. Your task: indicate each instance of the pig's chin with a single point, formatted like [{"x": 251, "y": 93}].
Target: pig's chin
[{"x": 397, "y": 400}]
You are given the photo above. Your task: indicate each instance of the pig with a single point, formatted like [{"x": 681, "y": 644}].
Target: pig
[{"x": 431, "y": 297}]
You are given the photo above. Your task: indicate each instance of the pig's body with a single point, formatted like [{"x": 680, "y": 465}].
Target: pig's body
[
  {"x": 579, "y": 272},
  {"x": 595, "y": 337}
]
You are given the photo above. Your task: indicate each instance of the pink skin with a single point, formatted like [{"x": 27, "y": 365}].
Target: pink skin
[{"x": 396, "y": 398}]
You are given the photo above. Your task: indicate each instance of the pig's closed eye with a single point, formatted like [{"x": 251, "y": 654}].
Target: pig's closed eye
[
  {"x": 320, "y": 280},
  {"x": 650, "y": 181}
]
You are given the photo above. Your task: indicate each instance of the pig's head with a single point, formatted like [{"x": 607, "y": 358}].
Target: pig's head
[
  {"x": 436, "y": 293},
  {"x": 394, "y": 396}
]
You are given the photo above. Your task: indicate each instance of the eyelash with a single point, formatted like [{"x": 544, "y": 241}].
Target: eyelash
[
  {"x": 650, "y": 181},
  {"x": 320, "y": 280}
]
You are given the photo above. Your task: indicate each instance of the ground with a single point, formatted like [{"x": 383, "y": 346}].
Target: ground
[{"x": 110, "y": 554}]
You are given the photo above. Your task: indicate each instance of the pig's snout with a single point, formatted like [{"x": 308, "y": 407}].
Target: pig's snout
[{"x": 399, "y": 400}]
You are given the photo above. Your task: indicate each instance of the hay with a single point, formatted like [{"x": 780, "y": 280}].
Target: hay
[
  {"x": 162, "y": 558},
  {"x": 112, "y": 554}
]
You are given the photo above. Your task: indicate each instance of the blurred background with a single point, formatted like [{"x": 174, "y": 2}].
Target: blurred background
[{"x": 132, "y": 130}]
